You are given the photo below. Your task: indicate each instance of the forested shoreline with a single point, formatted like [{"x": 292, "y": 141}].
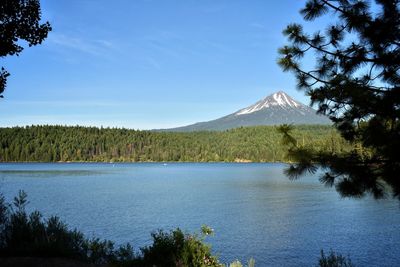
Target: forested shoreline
[{"x": 91, "y": 144}]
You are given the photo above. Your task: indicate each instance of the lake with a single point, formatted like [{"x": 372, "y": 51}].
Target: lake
[{"x": 253, "y": 208}]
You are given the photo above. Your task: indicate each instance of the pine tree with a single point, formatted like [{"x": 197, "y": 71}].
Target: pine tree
[{"x": 356, "y": 83}]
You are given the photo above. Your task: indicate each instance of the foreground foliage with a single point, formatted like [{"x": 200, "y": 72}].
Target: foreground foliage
[
  {"x": 60, "y": 143},
  {"x": 29, "y": 235},
  {"x": 19, "y": 23},
  {"x": 356, "y": 82},
  {"x": 334, "y": 260}
]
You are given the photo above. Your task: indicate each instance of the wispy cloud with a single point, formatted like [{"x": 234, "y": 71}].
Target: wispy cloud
[
  {"x": 165, "y": 42},
  {"x": 69, "y": 104},
  {"x": 221, "y": 47},
  {"x": 257, "y": 25},
  {"x": 163, "y": 45},
  {"x": 96, "y": 47}
]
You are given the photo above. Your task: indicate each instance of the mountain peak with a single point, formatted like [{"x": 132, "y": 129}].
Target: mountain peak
[
  {"x": 277, "y": 108},
  {"x": 279, "y": 98},
  {"x": 283, "y": 99}
]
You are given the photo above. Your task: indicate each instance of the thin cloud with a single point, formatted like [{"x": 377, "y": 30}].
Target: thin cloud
[
  {"x": 218, "y": 46},
  {"x": 93, "y": 47},
  {"x": 69, "y": 103},
  {"x": 178, "y": 47},
  {"x": 165, "y": 42},
  {"x": 257, "y": 25}
]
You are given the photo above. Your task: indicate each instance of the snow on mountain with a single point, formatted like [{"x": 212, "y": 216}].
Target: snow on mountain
[
  {"x": 276, "y": 109},
  {"x": 277, "y": 99}
]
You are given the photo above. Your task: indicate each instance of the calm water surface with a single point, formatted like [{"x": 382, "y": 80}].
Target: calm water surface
[{"x": 254, "y": 209}]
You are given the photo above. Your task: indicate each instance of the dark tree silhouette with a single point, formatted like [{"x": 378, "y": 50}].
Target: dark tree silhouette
[
  {"x": 19, "y": 20},
  {"x": 356, "y": 83}
]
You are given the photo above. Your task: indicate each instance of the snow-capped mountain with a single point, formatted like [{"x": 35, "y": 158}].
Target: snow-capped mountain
[
  {"x": 278, "y": 99},
  {"x": 275, "y": 109}
]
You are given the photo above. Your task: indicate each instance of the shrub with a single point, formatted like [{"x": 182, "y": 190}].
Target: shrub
[
  {"x": 334, "y": 260},
  {"x": 24, "y": 234},
  {"x": 31, "y": 235},
  {"x": 179, "y": 249}
]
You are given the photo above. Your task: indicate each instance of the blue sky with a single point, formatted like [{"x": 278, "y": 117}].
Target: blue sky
[{"x": 146, "y": 64}]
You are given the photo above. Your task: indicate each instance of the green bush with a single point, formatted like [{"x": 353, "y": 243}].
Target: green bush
[
  {"x": 179, "y": 249},
  {"x": 31, "y": 235},
  {"x": 24, "y": 234},
  {"x": 334, "y": 260}
]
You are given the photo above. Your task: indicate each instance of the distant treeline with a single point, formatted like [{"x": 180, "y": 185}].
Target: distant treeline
[{"x": 62, "y": 143}]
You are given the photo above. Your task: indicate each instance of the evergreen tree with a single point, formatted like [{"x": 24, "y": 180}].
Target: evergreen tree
[
  {"x": 356, "y": 83},
  {"x": 58, "y": 143}
]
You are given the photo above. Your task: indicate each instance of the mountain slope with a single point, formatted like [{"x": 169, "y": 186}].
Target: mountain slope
[{"x": 278, "y": 108}]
